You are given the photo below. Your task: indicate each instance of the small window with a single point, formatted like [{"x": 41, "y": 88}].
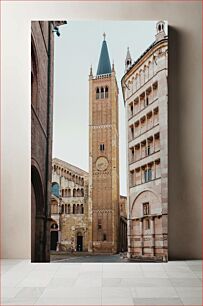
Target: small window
[
  {"x": 145, "y": 209},
  {"x": 102, "y": 93},
  {"x": 132, "y": 132},
  {"x": 149, "y": 174},
  {"x": 97, "y": 93},
  {"x": 99, "y": 224},
  {"x": 145, "y": 176},
  {"x": 106, "y": 92},
  {"x": 54, "y": 226},
  {"x": 147, "y": 224},
  {"x": 101, "y": 147},
  {"x": 131, "y": 109},
  {"x": 104, "y": 237},
  {"x": 148, "y": 150}
]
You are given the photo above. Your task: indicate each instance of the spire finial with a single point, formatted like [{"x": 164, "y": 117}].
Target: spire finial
[
  {"x": 90, "y": 70},
  {"x": 104, "y": 34},
  {"x": 112, "y": 67}
]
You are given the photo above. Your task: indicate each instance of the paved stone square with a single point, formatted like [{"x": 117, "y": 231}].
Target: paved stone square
[{"x": 87, "y": 258}]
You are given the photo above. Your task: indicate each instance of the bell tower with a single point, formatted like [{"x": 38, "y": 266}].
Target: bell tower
[{"x": 103, "y": 157}]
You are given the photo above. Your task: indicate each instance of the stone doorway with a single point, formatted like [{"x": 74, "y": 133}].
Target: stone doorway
[
  {"x": 79, "y": 243},
  {"x": 38, "y": 251},
  {"x": 54, "y": 240},
  {"x": 54, "y": 237}
]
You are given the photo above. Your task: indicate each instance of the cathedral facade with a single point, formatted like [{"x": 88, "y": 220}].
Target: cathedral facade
[
  {"x": 103, "y": 157},
  {"x": 145, "y": 92},
  {"x": 69, "y": 208}
]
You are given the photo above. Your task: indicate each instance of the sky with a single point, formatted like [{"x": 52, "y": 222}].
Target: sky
[{"x": 77, "y": 48}]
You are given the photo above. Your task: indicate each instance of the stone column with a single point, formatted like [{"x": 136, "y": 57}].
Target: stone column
[
  {"x": 154, "y": 170},
  {"x": 153, "y": 141},
  {"x": 152, "y": 234},
  {"x": 141, "y": 235},
  {"x": 140, "y": 150}
]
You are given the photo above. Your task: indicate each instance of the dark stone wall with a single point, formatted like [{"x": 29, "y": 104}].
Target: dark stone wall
[{"x": 42, "y": 41}]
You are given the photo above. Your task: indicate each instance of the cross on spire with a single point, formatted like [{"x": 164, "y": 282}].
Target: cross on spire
[{"x": 104, "y": 66}]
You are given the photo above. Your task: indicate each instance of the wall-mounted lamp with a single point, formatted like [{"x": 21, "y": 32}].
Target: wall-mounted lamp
[{"x": 56, "y": 30}]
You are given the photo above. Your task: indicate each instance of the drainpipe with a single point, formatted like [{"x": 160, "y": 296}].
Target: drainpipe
[{"x": 48, "y": 149}]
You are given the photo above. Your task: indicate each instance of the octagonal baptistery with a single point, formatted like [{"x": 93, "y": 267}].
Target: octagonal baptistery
[{"x": 145, "y": 92}]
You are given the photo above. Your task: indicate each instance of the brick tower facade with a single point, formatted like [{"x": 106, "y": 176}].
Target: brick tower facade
[{"x": 103, "y": 157}]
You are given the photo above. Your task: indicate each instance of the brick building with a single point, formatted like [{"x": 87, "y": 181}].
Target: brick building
[
  {"x": 103, "y": 156},
  {"x": 145, "y": 92},
  {"x": 42, "y": 61}
]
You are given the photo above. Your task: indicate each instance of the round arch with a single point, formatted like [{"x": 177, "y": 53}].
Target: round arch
[
  {"x": 34, "y": 74},
  {"x": 146, "y": 196},
  {"x": 37, "y": 216}
]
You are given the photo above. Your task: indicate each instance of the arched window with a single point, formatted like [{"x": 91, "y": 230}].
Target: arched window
[
  {"x": 55, "y": 189},
  {"x": 106, "y": 92},
  {"x": 54, "y": 226},
  {"x": 74, "y": 192},
  {"x": 66, "y": 209},
  {"x": 141, "y": 77},
  {"x": 69, "y": 192},
  {"x": 74, "y": 209},
  {"x": 69, "y": 209},
  {"x": 151, "y": 72},
  {"x": 63, "y": 193},
  {"x": 82, "y": 209},
  {"x": 82, "y": 192},
  {"x": 78, "y": 192},
  {"x": 78, "y": 209},
  {"x": 144, "y": 73},
  {"x": 97, "y": 93},
  {"x": 102, "y": 92},
  {"x": 62, "y": 208}
]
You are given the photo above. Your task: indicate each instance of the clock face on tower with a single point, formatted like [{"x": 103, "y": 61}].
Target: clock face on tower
[{"x": 102, "y": 163}]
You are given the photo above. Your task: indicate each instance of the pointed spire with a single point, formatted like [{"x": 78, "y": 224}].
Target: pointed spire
[
  {"x": 160, "y": 30},
  {"x": 104, "y": 65},
  {"x": 128, "y": 59},
  {"x": 128, "y": 56},
  {"x": 90, "y": 71}
]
